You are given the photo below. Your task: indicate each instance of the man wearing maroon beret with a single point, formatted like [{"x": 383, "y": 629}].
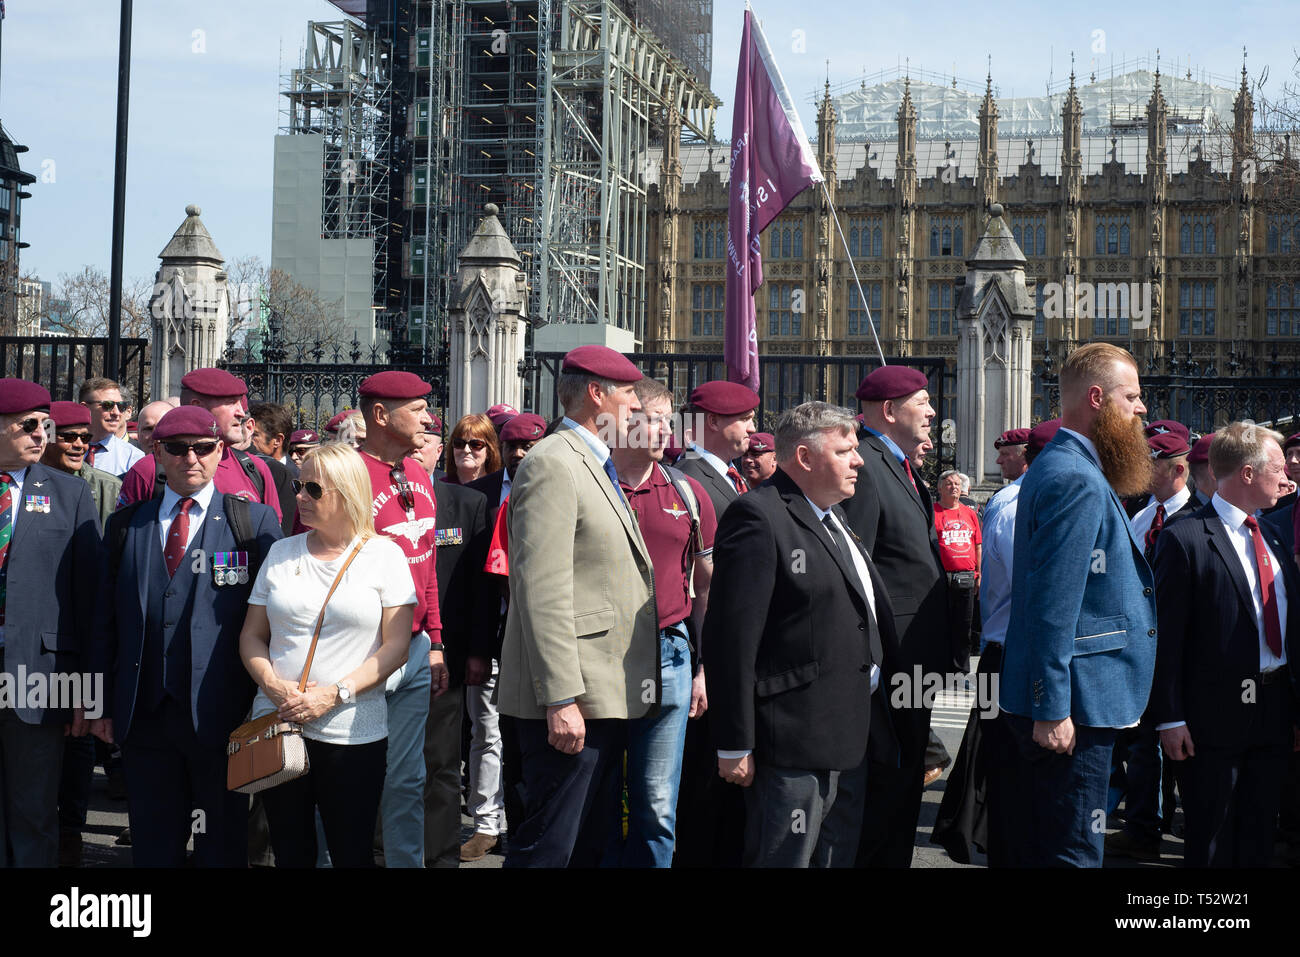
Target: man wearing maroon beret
[
  {"x": 1198, "y": 460},
  {"x": 891, "y": 511},
  {"x": 50, "y": 554},
  {"x": 1291, "y": 450},
  {"x": 396, "y": 414},
  {"x": 722, "y": 414},
  {"x": 759, "y": 460},
  {"x": 67, "y": 453},
  {"x": 1011, "y": 446},
  {"x": 238, "y": 473}
]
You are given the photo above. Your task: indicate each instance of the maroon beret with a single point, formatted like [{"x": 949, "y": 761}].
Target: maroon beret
[
  {"x": 501, "y": 414},
  {"x": 723, "y": 398},
  {"x": 1200, "y": 453},
  {"x": 395, "y": 384},
  {"x": 1042, "y": 433},
  {"x": 523, "y": 428},
  {"x": 435, "y": 425},
  {"x": 214, "y": 383},
  {"x": 1169, "y": 427},
  {"x": 187, "y": 420},
  {"x": 1167, "y": 445},
  {"x": 891, "y": 382},
  {"x": 69, "y": 413},
  {"x": 762, "y": 442},
  {"x": 1012, "y": 437},
  {"x": 19, "y": 395},
  {"x": 304, "y": 437},
  {"x": 333, "y": 424},
  {"x": 601, "y": 362},
  {"x": 1292, "y": 439}
]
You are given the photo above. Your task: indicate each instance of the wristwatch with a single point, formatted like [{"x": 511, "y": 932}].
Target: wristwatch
[{"x": 345, "y": 693}]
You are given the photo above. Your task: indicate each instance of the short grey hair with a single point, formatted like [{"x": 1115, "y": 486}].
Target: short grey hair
[
  {"x": 1238, "y": 444},
  {"x": 965, "y": 482},
  {"x": 570, "y": 387},
  {"x": 947, "y": 472},
  {"x": 805, "y": 425}
]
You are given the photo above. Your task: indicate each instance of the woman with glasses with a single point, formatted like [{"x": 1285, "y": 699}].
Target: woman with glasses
[
  {"x": 364, "y": 638},
  {"x": 472, "y": 452}
]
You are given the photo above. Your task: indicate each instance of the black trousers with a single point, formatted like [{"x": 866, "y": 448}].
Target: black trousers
[
  {"x": 1231, "y": 795},
  {"x": 512, "y": 772},
  {"x": 176, "y": 787},
  {"x": 710, "y": 812},
  {"x": 345, "y": 782},
  {"x": 893, "y": 803},
  {"x": 442, "y": 779},
  {"x": 569, "y": 799}
]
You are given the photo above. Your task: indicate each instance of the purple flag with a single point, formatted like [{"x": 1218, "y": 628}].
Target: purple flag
[{"x": 771, "y": 164}]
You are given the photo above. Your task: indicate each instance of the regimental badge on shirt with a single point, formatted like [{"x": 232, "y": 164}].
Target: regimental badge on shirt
[
  {"x": 676, "y": 511},
  {"x": 229, "y": 568},
  {"x": 448, "y": 536},
  {"x": 37, "y": 503}
]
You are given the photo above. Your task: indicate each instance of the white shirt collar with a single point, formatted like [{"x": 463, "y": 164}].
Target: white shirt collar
[
  {"x": 598, "y": 448},
  {"x": 1232, "y": 516},
  {"x": 719, "y": 466},
  {"x": 1087, "y": 444},
  {"x": 1174, "y": 502},
  {"x": 202, "y": 499}
]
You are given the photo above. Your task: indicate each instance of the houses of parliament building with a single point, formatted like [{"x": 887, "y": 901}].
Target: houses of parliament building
[{"x": 1143, "y": 178}]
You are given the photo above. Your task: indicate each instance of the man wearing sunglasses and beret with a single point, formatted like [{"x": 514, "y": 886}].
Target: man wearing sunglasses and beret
[
  {"x": 109, "y": 411},
  {"x": 49, "y": 550},
  {"x": 67, "y": 453}
]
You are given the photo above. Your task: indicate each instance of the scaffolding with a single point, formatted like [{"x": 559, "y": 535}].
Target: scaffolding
[
  {"x": 610, "y": 85},
  {"x": 341, "y": 93}
]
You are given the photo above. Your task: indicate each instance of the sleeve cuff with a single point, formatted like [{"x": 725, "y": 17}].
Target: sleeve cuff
[
  {"x": 1169, "y": 725},
  {"x": 734, "y": 755},
  {"x": 560, "y": 704}
]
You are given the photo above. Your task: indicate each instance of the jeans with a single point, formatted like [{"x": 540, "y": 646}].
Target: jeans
[
  {"x": 402, "y": 809},
  {"x": 486, "y": 792},
  {"x": 654, "y": 764}
]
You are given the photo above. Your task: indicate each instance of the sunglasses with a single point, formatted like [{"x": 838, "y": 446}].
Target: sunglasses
[
  {"x": 182, "y": 449},
  {"x": 476, "y": 445},
  {"x": 405, "y": 491},
  {"x": 313, "y": 489},
  {"x": 108, "y": 405},
  {"x": 31, "y": 425},
  {"x": 73, "y": 437}
]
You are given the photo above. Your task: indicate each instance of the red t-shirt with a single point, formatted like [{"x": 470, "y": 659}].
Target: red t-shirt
[
  {"x": 959, "y": 533},
  {"x": 666, "y": 527},
  {"x": 414, "y": 531},
  {"x": 230, "y": 479}
]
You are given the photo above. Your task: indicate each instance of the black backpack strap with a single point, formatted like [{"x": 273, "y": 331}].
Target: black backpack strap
[
  {"x": 240, "y": 517},
  {"x": 246, "y": 463},
  {"x": 159, "y": 481}
]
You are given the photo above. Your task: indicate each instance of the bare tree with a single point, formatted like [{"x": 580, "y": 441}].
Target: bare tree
[
  {"x": 80, "y": 305},
  {"x": 306, "y": 320}
]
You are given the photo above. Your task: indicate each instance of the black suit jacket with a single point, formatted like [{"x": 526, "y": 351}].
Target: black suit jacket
[
  {"x": 1190, "y": 508},
  {"x": 721, "y": 492},
  {"x": 488, "y": 630},
  {"x": 1207, "y": 652},
  {"x": 462, "y": 521},
  {"x": 789, "y": 637},
  {"x": 284, "y": 490},
  {"x": 896, "y": 524}
]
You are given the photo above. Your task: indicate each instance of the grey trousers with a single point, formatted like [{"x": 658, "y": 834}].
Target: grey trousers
[
  {"x": 31, "y": 761},
  {"x": 800, "y": 818}
]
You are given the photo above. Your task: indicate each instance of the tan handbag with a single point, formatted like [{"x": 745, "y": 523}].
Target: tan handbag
[{"x": 266, "y": 751}]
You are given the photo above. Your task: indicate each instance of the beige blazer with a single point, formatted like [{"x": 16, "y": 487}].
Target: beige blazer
[{"x": 582, "y": 621}]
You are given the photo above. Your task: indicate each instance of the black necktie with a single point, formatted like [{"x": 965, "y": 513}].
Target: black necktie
[{"x": 840, "y": 542}]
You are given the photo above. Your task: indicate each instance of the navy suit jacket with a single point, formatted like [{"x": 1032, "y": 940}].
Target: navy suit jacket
[
  {"x": 1082, "y": 637},
  {"x": 1207, "y": 660},
  {"x": 221, "y": 690},
  {"x": 54, "y": 561}
]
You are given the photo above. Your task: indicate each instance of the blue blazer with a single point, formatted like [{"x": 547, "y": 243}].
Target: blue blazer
[
  {"x": 221, "y": 690},
  {"x": 54, "y": 563},
  {"x": 1082, "y": 636}
]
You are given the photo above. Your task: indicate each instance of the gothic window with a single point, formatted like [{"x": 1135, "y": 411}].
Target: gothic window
[
  {"x": 858, "y": 324},
  {"x": 707, "y": 304},
  {"x": 785, "y": 308},
  {"x": 1282, "y": 309},
  {"x": 1196, "y": 308},
  {"x": 945, "y": 236},
  {"x": 1113, "y": 234},
  {"x": 1283, "y": 234},
  {"x": 939, "y": 319},
  {"x": 1030, "y": 234}
]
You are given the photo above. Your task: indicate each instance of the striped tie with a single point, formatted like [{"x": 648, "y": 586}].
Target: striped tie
[{"x": 6, "y": 533}]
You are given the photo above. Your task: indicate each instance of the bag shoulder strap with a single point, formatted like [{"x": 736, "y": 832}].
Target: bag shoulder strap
[
  {"x": 320, "y": 619},
  {"x": 240, "y": 517},
  {"x": 251, "y": 470},
  {"x": 696, "y": 541}
]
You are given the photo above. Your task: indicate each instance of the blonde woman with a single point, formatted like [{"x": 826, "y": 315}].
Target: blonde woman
[{"x": 364, "y": 638}]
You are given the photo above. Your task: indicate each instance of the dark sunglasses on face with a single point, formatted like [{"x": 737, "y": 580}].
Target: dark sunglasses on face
[
  {"x": 108, "y": 405},
  {"x": 74, "y": 437},
  {"x": 313, "y": 489},
  {"x": 30, "y": 425},
  {"x": 182, "y": 449},
  {"x": 475, "y": 445}
]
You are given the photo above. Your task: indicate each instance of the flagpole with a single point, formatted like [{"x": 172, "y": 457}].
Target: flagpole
[{"x": 862, "y": 296}]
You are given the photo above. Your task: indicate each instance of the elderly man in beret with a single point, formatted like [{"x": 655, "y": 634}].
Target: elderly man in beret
[
  {"x": 238, "y": 473},
  {"x": 1011, "y": 446},
  {"x": 892, "y": 512},
  {"x": 49, "y": 553},
  {"x": 395, "y": 410},
  {"x": 759, "y": 460},
  {"x": 172, "y": 605},
  {"x": 581, "y": 654}
]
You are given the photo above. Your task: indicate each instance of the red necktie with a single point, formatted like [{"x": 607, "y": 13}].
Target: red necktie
[
  {"x": 1157, "y": 523},
  {"x": 737, "y": 480},
  {"x": 907, "y": 467},
  {"x": 177, "y": 538},
  {"x": 90, "y": 452},
  {"x": 1264, "y": 562}
]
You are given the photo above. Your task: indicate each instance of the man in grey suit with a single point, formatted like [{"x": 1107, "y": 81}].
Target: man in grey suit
[
  {"x": 581, "y": 654},
  {"x": 49, "y": 551}
]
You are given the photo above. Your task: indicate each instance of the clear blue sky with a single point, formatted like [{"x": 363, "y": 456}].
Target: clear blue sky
[{"x": 202, "y": 123}]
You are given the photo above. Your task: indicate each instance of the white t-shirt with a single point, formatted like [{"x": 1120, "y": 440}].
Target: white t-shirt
[{"x": 293, "y": 585}]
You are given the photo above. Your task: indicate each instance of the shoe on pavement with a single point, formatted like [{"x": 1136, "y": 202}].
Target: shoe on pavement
[
  {"x": 1124, "y": 844},
  {"x": 479, "y": 846},
  {"x": 931, "y": 775}
]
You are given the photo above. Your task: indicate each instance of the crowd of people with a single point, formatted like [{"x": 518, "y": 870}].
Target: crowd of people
[{"x": 620, "y": 640}]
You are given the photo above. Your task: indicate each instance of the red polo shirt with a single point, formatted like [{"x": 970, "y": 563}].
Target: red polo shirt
[
  {"x": 959, "y": 533},
  {"x": 666, "y": 527}
]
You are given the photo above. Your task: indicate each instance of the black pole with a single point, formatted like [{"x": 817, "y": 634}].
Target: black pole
[{"x": 113, "y": 358}]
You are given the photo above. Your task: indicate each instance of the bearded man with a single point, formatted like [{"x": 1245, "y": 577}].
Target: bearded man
[{"x": 1080, "y": 646}]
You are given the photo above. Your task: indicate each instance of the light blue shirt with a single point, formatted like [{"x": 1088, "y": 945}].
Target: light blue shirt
[
  {"x": 1086, "y": 443},
  {"x": 719, "y": 466},
  {"x": 999, "y": 527},
  {"x": 889, "y": 444},
  {"x": 114, "y": 456},
  {"x": 598, "y": 448}
]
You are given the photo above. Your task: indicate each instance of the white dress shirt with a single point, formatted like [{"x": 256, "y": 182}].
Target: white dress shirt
[
  {"x": 1234, "y": 523},
  {"x": 171, "y": 506},
  {"x": 1141, "y": 521},
  {"x": 999, "y": 527}
]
